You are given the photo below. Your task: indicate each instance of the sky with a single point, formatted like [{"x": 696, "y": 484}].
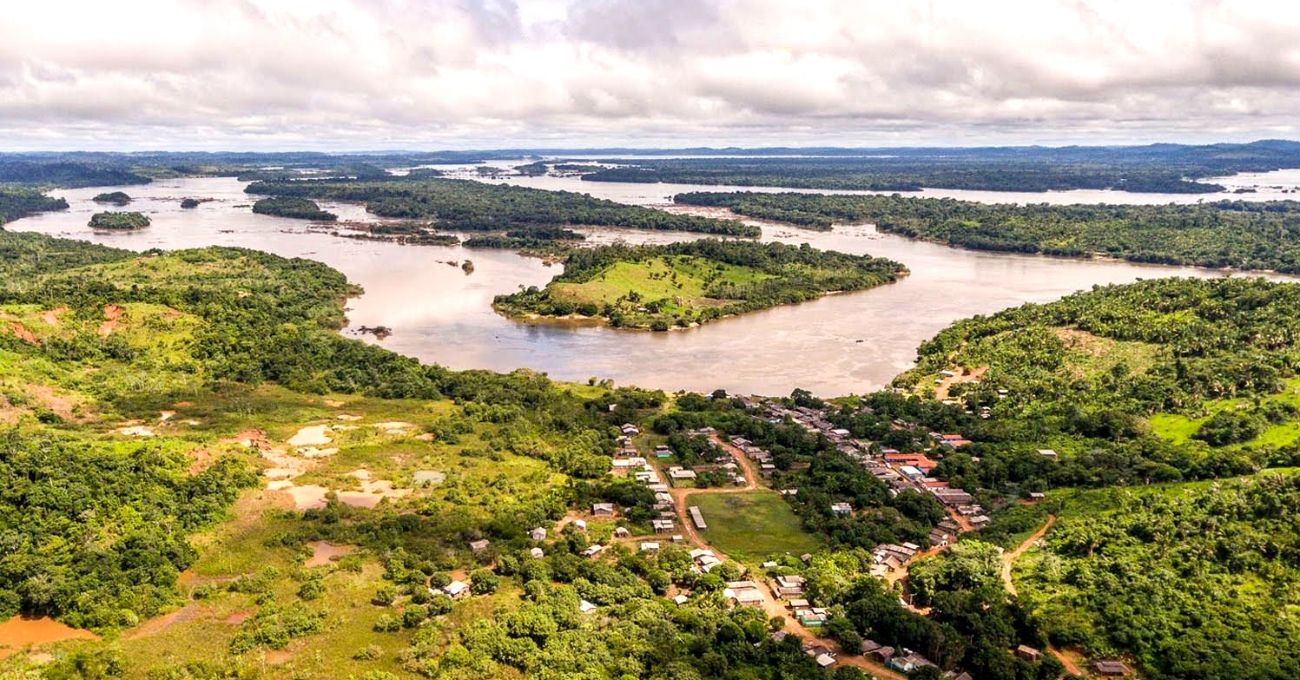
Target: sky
[{"x": 456, "y": 74}]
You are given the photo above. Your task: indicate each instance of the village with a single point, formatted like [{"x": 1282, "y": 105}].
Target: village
[{"x": 735, "y": 464}]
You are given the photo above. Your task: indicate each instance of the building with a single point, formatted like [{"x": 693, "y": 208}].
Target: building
[
  {"x": 842, "y": 508},
  {"x": 649, "y": 546},
  {"x": 537, "y": 534},
  {"x": 479, "y": 545},
  {"x": 621, "y": 532},
  {"x": 908, "y": 662},
  {"x": 593, "y": 550},
  {"x": 663, "y": 526},
  {"x": 537, "y": 553},
  {"x": 585, "y": 606},
  {"x": 580, "y": 524},
  {"x": 1110, "y": 668},
  {"x": 680, "y": 600},
  {"x": 456, "y": 589},
  {"x": 697, "y": 517},
  {"x": 1048, "y": 453},
  {"x": 1028, "y": 653}
]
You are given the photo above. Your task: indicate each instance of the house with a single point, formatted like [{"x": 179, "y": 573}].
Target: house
[
  {"x": 621, "y": 532},
  {"x": 1110, "y": 668},
  {"x": 537, "y": 553},
  {"x": 824, "y": 660},
  {"x": 778, "y": 636},
  {"x": 883, "y": 654},
  {"x": 537, "y": 534},
  {"x": 788, "y": 586},
  {"x": 663, "y": 526},
  {"x": 697, "y": 517},
  {"x": 630, "y": 430},
  {"x": 842, "y": 508},
  {"x": 678, "y": 474},
  {"x": 869, "y": 646},
  {"x": 456, "y": 589},
  {"x": 593, "y": 550},
  {"x": 909, "y": 662},
  {"x": 744, "y": 593},
  {"x": 580, "y": 524},
  {"x": 479, "y": 545},
  {"x": 585, "y": 606},
  {"x": 680, "y": 600},
  {"x": 1048, "y": 454},
  {"x": 811, "y": 618},
  {"x": 797, "y": 603},
  {"x": 649, "y": 546},
  {"x": 1028, "y": 653},
  {"x": 1037, "y": 495}
]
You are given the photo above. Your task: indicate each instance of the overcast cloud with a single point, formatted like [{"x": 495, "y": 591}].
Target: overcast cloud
[{"x": 375, "y": 74}]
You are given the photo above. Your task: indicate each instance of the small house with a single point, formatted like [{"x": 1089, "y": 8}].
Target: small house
[
  {"x": 537, "y": 553},
  {"x": 602, "y": 509},
  {"x": 649, "y": 546},
  {"x": 1110, "y": 668},
  {"x": 1028, "y": 653},
  {"x": 585, "y": 606},
  {"x": 456, "y": 589},
  {"x": 842, "y": 508},
  {"x": 479, "y": 545},
  {"x": 537, "y": 534}
]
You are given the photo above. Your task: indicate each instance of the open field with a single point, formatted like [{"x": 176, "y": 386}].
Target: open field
[{"x": 752, "y": 526}]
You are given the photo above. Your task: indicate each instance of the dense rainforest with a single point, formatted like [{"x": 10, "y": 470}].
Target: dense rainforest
[
  {"x": 1236, "y": 234},
  {"x": 680, "y": 284},
  {"x": 16, "y": 203},
  {"x": 296, "y": 208},
  {"x": 465, "y": 205},
  {"x": 119, "y": 221},
  {"x": 1160, "y": 168}
]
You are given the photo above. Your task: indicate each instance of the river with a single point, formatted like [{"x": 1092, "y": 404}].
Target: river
[{"x": 837, "y": 345}]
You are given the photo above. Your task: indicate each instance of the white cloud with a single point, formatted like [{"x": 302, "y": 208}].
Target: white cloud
[{"x": 458, "y": 73}]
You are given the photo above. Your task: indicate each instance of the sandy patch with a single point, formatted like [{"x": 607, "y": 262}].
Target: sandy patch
[
  {"x": 164, "y": 416},
  {"x": 324, "y": 552},
  {"x": 248, "y": 439},
  {"x": 23, "y": 333},
  {"x": 348, "y": 417},
  {"x": 313, "y": 452},
  {"x": 51, "y": 316},
  {"x": 237, "y": 618},
  {"x": 135, "y": 431},
  {"x": 394, "y": 427},
  {"x": 63, "y": 405},
  {"x": 307, "y": 497},
  {"x": 112, "y": 316},
  {"x": 332, "y": 403},
  {"x": 311, "y": 435}
]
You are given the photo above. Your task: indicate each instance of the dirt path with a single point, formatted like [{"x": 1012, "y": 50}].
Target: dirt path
[{"x": 1009, "y": 558}]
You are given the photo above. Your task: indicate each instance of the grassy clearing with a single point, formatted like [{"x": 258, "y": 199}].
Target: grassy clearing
[
  {"x": 753, "y": 526},
  {"x": 1179, "y": 428},
  {"x": 680, "y": 281}
]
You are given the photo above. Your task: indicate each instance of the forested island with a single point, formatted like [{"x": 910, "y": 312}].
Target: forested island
[
  {"x": 466, "y": 205},
  {"x": 1158, "y": 168},
  {"x": 118, "y": 198},
  {"x": 1229, "y": 234},
  {"x": 296, "y": 208},
  {"x": 683, "y": 284},
  {"x": 119, "y": 221}
]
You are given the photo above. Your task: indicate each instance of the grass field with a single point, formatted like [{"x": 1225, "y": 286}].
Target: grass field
[
  {"x": 1179, "y": 428},
  {"x": 681, "y": 280},
  {"x": 751, "y": 527}
]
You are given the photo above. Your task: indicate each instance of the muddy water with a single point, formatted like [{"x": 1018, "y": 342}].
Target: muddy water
[
  {"x": 324, "y": 552},
  {"x": 836, "y": 345},
  {"x": 19, "y": 632}
]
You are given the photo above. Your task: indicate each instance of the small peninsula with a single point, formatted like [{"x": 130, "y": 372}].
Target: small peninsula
[
  {"x": 119, "y": 221},
  {"x": 657, "y": 287},
  {"x": 296, "y": 208}
]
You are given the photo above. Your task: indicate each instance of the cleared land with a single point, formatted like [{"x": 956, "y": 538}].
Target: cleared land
[{"x": 753, "y": 526}]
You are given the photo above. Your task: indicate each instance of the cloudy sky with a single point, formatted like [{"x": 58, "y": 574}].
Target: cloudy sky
[{"x": 383, "y": 74}]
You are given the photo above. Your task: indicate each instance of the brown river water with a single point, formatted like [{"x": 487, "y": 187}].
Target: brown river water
[{"x": 837, "y": 345}]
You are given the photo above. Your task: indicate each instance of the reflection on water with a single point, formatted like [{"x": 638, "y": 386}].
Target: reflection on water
[{"x": 836, "y": 345}]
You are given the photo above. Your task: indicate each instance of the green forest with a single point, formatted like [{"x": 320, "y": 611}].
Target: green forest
[
  {"x": 466, "y": 205},
  {"x": 680, "y": 284},
  {"x": 16, "y": 203},
  {"x": 119, "y": 221},
  {"x": 1236, "y": 234},
  {"x": 1160, "y": 168}
]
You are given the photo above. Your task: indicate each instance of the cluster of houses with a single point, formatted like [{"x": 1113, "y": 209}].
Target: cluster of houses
[
  {"x": 889, "y": 557},
  {"x": 629, "y": 461},
  {"x": 758, "y": 454}
]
